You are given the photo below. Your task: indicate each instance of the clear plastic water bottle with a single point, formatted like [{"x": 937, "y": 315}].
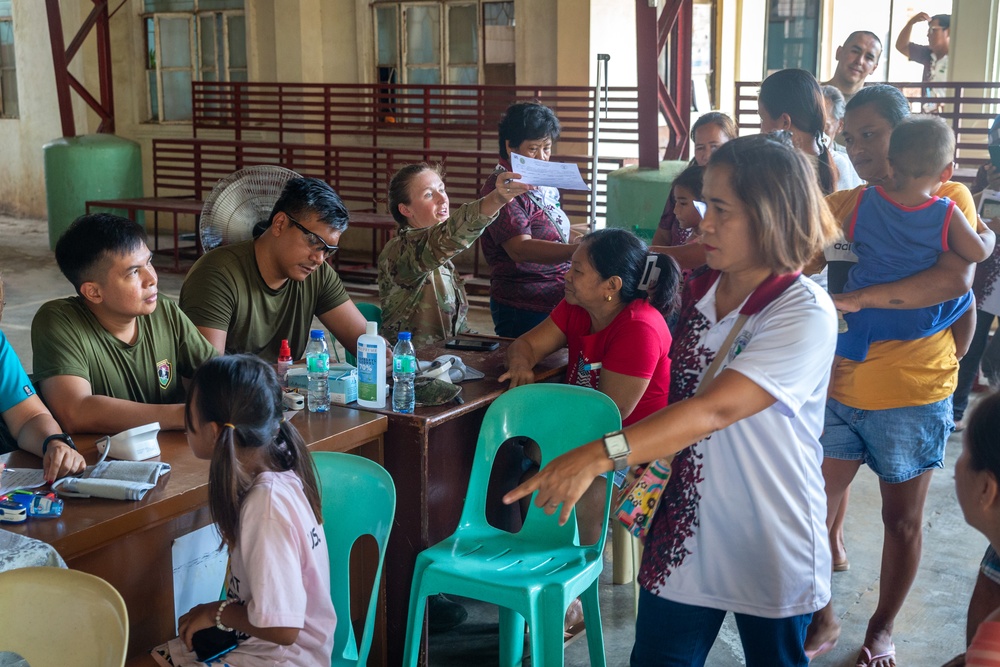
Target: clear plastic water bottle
[
  {"x": 404, "y": 372},
  {"x": 317, "y": 372}
]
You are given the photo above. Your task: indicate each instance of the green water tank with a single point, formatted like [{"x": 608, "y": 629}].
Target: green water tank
[
  {"x": 82, "y": 169},
  {"x": 636, "y": 197}
]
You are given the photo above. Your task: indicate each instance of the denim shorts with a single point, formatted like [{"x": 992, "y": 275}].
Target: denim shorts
[
  {"x": 898, "y": 444},
  {"x": 990, "y": 567}
]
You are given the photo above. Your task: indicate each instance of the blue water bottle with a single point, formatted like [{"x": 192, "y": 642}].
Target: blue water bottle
[{"x": 404, "y": 372}]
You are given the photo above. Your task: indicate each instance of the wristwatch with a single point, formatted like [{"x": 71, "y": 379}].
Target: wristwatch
[
  {"x": 616, "y": 446},
  {"x": 58, "y": 436}
]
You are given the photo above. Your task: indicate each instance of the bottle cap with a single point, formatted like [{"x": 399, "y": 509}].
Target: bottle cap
[
  {"x": 371, "y": 328},
  {"x": 404, "y": 335},
  {"x": 285, "y": 351},
  {"x": 316, "y": 333}
]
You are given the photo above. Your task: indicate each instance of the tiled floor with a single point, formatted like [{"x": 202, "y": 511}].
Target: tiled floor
[{"x": 929, "y": 631}]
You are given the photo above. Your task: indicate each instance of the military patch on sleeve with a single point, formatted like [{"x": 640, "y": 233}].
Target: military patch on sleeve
[{"x": 163, "y": 373}]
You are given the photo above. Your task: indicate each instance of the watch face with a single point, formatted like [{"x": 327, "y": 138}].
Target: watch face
[{"x": 616, "y": 445}]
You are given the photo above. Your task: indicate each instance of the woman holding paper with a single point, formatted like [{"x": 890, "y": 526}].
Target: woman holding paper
[
  {"x": 420, "y": 290},
  {"x": 528, "y": 246},
  {"x": 26, "y": 420}
]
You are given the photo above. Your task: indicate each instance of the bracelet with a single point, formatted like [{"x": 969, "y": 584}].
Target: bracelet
[
  {"x": 218, "y": 617},
  {"x": 58, "y": 436}
]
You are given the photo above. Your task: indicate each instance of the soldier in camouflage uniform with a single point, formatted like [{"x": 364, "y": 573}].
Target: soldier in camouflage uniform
[{"x": 419, "y": 287}]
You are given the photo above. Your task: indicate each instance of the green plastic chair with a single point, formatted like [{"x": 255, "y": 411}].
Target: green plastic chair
[
  {"x": 358, "y": 499},
  {"x": 372, "y": 313},
  {"x": 536, "y": 573}
]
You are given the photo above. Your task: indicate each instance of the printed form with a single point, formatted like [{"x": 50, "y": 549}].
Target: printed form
[{"x": 562, "y": 175}]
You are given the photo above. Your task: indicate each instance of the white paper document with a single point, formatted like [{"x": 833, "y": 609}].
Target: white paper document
[
  {"x": 21, "y": 478},
  {"x": 562, "y": 175}
]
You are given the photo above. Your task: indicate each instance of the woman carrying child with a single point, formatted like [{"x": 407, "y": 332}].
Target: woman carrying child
[
  {"x": 901, "y": 228},
  {"x": 893, "y": 410},
  {"x": 265, "y": 500}
]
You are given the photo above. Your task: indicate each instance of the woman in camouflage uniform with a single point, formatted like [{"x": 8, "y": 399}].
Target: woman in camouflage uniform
[{"x": 419, "y": 288}]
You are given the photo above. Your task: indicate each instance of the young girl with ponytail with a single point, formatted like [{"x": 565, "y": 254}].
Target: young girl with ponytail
[
  {"x": 792, "y": 100},
  {"x": 265, "y": 500}
]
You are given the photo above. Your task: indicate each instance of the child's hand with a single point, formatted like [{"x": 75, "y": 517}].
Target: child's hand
[
  {"x": 199, "y": 618},
  {"x": 847, "y": 302}
]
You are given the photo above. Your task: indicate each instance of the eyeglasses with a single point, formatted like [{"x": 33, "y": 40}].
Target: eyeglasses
[{"x": 313, "y": 239}]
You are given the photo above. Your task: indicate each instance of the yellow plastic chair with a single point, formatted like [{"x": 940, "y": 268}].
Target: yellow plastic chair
[
  {"x": 358, "y": 499},
  {"x": 56, "y": 617},
  {"x": 536, "y": 573},
  {"x": 372, "y": 313}
]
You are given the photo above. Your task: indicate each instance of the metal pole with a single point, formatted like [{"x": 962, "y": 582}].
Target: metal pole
[{"x": 602, "y": 64}]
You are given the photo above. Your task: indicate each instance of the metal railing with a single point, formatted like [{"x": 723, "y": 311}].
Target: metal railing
[
  {"x": 360, "y": 174},
  {"x": 465, "y": 116}
]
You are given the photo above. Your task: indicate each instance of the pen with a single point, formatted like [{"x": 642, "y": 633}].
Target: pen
[
  {"x": 596, "y": 366},
  {"x": 459, "y": 400}
]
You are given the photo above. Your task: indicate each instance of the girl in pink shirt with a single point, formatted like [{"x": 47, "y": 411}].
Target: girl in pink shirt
[{"x": 265, "y": 500}]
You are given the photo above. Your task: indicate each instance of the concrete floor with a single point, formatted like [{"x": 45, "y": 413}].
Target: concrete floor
[{"x": 929, "y": 630}]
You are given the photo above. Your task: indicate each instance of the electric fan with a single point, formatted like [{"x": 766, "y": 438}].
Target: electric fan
[{"x": 239, "y": 202}]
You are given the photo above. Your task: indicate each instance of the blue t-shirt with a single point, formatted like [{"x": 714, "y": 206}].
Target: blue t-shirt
[
  {"x": 14, "y": 388},
  {"x": 893, "y": 242},
  {"x": 14, "y": 383}
]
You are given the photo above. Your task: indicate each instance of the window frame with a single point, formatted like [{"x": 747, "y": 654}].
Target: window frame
[
  {"x": 4, "y": 115},
  {"x": 402, "y": 66},
  {"x": 197, "y": 67},
  {"x": 816, "y": 38}
]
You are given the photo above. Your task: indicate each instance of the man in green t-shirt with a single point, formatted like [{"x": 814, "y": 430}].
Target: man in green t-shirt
[
  {"x": 248, "y": 296},
  {"x": 112, "y": 357}
]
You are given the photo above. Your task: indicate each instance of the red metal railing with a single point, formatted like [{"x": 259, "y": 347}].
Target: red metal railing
[
  {"x": 359, "y": 174},
  {"x": 969, "y": 106},
  {"x": 464, "y": 116}
]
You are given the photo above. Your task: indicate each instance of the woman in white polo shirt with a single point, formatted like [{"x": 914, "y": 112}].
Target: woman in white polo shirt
[{"x": 741, "y": 526}]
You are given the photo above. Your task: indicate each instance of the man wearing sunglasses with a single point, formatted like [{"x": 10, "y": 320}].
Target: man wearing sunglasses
[{"x": 248, "y": 296}]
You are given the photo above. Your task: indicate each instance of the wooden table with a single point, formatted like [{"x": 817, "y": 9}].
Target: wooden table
[
  {"x": 429, "y": 455},
  {"x": 129, "y": 543}
]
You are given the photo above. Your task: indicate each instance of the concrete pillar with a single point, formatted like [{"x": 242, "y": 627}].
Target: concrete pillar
[{"x": 975, "y": 44}]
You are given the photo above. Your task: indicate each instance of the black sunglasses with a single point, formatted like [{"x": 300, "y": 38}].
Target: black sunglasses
[{"x": 313, "y": 239}]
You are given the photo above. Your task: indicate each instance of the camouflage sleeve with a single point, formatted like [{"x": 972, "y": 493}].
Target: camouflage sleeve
[{"x": 421, "y": 251}]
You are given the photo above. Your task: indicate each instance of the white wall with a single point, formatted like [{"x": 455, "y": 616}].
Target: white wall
[{"x": 22, "y": 173}]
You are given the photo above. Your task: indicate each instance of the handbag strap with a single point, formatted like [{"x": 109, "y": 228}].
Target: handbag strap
[
  {"x": 721, "y": 354},
  {"x": 714, "y": 366}
]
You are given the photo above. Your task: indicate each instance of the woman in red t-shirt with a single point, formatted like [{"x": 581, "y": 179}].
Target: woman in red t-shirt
[{"x": 616, "y": 330}]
